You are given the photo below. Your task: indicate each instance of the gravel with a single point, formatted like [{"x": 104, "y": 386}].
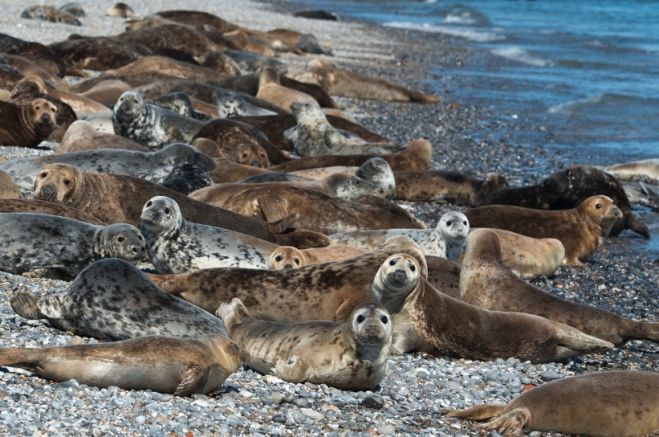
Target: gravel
[{"x": 623, "y": 276}]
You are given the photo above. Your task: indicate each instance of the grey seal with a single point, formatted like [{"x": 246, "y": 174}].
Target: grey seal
[{"x": 181, "y": 104}]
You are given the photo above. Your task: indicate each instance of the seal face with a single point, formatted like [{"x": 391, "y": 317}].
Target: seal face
[
  {"x": 349, "y": 355},
  {"x": 27, "y": 125},
  {"x": 178, "y": 246},
  {"x": 288, "y": 257}
]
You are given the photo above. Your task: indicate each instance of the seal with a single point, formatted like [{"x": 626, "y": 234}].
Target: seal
[
  {"x": 52, "y": 14},
  {"x": 8, "y": 188},
  {"x": 176, "y": 245},
  {"x": 247, "y": 153},
  {"x": 79, "y": 104},
  {"x": 446, "y": 240},
  {"x": 288, "y": 257},
  {"x": 430, "y": 186},
  {"x": 74, "y": 9},
  {"x": 81, "y": 135},
  {"x": 427, "y": 320},
  {"x": 313, "y": 135},
  {"x": 96, "y": 53},
  {"x": 350, "y": 355},
  {"x": 273, "y": 202},
  {"x": 272, "y": 91},
  {"x": 119, "y": 199},
  {"x": 106, "y": 92},
  {"x": 486, "y": 282},
  {"x": 569, "y": 188},
  {"x": 182, "y": 104},
  {"x": 26, "y": 125},
  {"x": 44, "y": 207},
  {"x": 582, "y": 230},
  {"x": 227, "y": 171},
  {"x": 149, "y": 124},
  {"x": 41, "y": 241},
  {"x": 629, "y": 170},
  {"x": 619, "y": 403},
  {"x": 163, "y": 364},
  {"x": 166, "y": 67},
  {"x": 38, "y": 53},
  {"x": 113, "y": 300},
  {"x": 121, "y": 10},
  {"x": 231, "y": 104}
]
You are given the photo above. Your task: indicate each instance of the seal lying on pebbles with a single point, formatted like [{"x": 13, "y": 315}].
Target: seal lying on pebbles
[
  {"x": 628, "y": 170},
  {"x": 38, "y": 241},
  {"x": 272, "y": 91},
  {"x": 81, "y": 135},
  {"x": 313, "y": 135},
  {"x": 446, "y": 240},
  {"x": 429, "y": 321},
  {"x": 49, "y": 13},
  {"x": 44, "y": 207},
  {"x": 273, "y": 202},
  {"x": 581, "y": 230},
  {"x": 569, "y": 188},
  {"x": 350, "y": 355},
  {"x": 26, "y": 125},
  {"x": 163, "y": 364},
  {"x": 288, "y": 257},
  {"x": 429, "y": 186},
  {"x": 149, "y": 124},
  {"x": 619, "y": 403},
  {"x": 119, "y": 199},
  {"x": 487, "y": 283},
  {"x": 247, "y": 153},
  {"x": 8, "y": 188},
  {"x": 178, "y": 246},
  {"x": 182, "y": 104},
  {"x": 157, "y": 166},
  {"x": 113, "y": 300},
  {"x": 234, "y": 104}
]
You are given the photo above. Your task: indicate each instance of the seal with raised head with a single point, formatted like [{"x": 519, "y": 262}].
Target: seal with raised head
[
  {"x": 81, "y": 135},
  {"x": 429, "y": 186},
  {"x": 446, "y": 240},
  {"x": 288, "y": 257},
  {"x": 582, "y": 230},
  {"x": 41, "y": 241},
  {"x": 163, "y": 364},
  {"x": 350, "y": 355},
  {"x": 26, "y": 125},
  {"x": 429, "y": 321},
  {"x": 45, "y": 207},
  {"x": 612, "y": 404},
  {"x": 149, "y": 124},
  {"x": 113, "y": 300},
  {"x": 176, "y": 245},
  {"x": 486, "y": 282}
]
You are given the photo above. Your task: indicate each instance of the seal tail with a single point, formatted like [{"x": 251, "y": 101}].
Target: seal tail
[
  {"x": 25, "y": 358},
  {"x": 302, "y": 239},
  {"x": 637, "y": 226},
  {"x": 26, "y": 306},
  {"x": 419, "y": 97},
  {"x": 574, "y": 339},
  {"x": 479, "y": 412}
]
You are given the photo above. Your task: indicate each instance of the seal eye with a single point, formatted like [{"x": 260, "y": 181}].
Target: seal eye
[
  {"x": 413, "y": 267},
  {"x": 449, "y": 223},
  {"x": 43, "y": 174},
  {"x": 360, "y": 318},
  {"x": 168, "y": 211},
  {"x": 278, "y": 258},
  {"x": 392, "y": 262},
  {"x": 67, "y": 182},
  {"x": 120, "y": 239},
  {"x": 464, "y": 223},
  {"x": 149, "y": 203},
  {"x": 598, "y": 206},
  {"x": 384, "y": 319},
  {"x": 297, "y": 261}
]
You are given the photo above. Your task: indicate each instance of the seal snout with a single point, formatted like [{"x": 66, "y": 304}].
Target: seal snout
[
  {"x": 47, "y": 192},
  {"x": 398, "y": 277}
]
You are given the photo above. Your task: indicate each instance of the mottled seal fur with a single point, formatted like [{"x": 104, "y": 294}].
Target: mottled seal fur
[
  {"x": 581, "y": 230},
  {"x": 429, "y": 321},
  {"x": 26, "y": 125},
  {"x": 8, "y": 188},
  {"x": 446, "y": 240},
  {"x": 429, "y": 186},
  {"x": 176, "y": 245},
  {"x": 609, "y": 404},
  {"x": 486, "y": 282},
  {"x": 182, "y": 104},
  {"x": 350, "y": 355},
  {"x": 288, "y": 257},
  {"x": 50, "y": 13},
  {"x": 151, "y": 125},
  {"x": 81, "y": 135},
  {"x": 113, "y": 300},
  {"x": 41, "y": 241},
  {"x": 45, "y": 207},
  {"x": 163, "y": 364}
]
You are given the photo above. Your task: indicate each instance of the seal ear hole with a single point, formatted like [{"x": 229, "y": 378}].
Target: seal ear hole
[
  {"x": 360, "y": 318},
  {"x": 278, "y": 258},
  {"x": 384, "y": 319},
  {"x": 121, "y": 239}
]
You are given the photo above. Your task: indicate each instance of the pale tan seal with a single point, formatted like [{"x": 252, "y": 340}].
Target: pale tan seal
[
  {"x": 612, "y": 404},
  {"x": 486, "y": 282},
  {"x": 429, "y": 321},
  {"x": 81, "y": 135},
  {"x": 272, "y": 91},
  {"x": 121, "y": 10},
  {"x": 169, "y": 67},
  {"x": 628, "y": 170},
  {"x": 350, "y": 355},
  {"x": 163, "y": 364},
  {"x": 8, "y": 188},
  {"x": 244, "y": 152},
  {"x": 288, "y": 257},
  {"x": 582, "y": 230},
  {"x": 228, "y": 171},
  {"x": 107, "y": 91}
]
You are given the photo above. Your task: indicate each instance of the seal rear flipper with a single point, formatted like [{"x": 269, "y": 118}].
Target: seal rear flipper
[
  {"x": 642, "y": 330},
  {"x": 26, "y": 306},
  {"x": 634, "y": 224},
  {"x": 191, "y": 381},
  {"x": 302, "y": 239},
  {"x": 479, "y": 412},
  {"x": 20, "y": 357},
  {"x": 512, "y": 423},
  {"x": 571, "y": 338}
]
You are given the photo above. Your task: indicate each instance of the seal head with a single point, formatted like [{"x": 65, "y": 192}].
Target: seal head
[{"x": 120, "y": 240}]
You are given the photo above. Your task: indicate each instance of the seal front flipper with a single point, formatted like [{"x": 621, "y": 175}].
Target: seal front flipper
[
  {"x": 634, "y": 224},
  {"x": 277, "y": 222},
  {"x": 291, "y": 370},
  {"x": 479, "y": 412},
  {"x": 28, "y": 307},
  {"x": 192, "y": 380}
]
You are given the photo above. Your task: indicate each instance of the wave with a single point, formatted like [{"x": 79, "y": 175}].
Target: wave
[
  {"x": 606, "y": 101},
  {"x": 460, "y": 14},
  {"x": 470, "y": 34},
  {"x": 518, "y": 54}
]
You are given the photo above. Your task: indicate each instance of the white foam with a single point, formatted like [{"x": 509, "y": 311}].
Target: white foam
[
  {"x": 470, "y": 34},
  {"x": 518, "y": 54},
  {"x": 459, "y": 19},
  {"x": 569, "y": 106}
]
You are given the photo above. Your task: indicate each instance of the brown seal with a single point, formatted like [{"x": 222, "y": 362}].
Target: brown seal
[
  {"x": 581, "y": 230},
  {"x": 429, "y": 321},
  {"x": 38, "y": 53},
  {"x": 309, "y": 209},
  {"x": 613, "y": 404},
  {"x": 227, "y": 171},
  {"x": 107, "y": 92},
  {"x": 8, "y": 188},
  {"x": 163, "y": 364},
  {"x": 164, "y": 66},
  {"x": 82, "y": 136},
  {"x": 26, "y": 125},
  {"x": 198, "y": 18},
  {"x": 79, "y": 104},
  {"x": 172, "y": 36},
  {"x": 96, "y": 53},
  {"x": 119, "y": 199},
  {"x": 350, "y": 355},
  {"x": 288, "y": 257},
  {"x": 246, "y": 153},
  {"x": 486, "y": 282},
  {"x": 272, "y": 91},
  {"x": 45, "y": 207},
  {"x": 429, "y": 186}
]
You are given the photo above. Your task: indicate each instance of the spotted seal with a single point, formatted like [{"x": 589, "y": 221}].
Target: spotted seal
[
  {"x": 50, "y": 13},
  {"x": 350, "y": 355},
  {"x": 113, "y": 300},
  {"x": 26, "y": 125},
  {"x": 181, "y": 103},
  {"x": 233, "y": 104}
]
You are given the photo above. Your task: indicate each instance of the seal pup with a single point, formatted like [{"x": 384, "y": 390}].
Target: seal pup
[
  {"x": 429, "y": 321},
  {"x": 163, "y": 364},
  {"x": 119, "y": 199},
  {"x": 429, "y": 186},
  {"x": 26, "y": 125},
  {"x": 121, "y": 10},
  {"x": 288, "y": 257},
  {"x": 272, "y": 91},
  {"x": 613, "y": 404},
  {"x": 113, "y": 300},
  {"x": 149, "y": 124},
  {"x": 50, "y": 13},
  {"x": 628, "y": 170},
  {"x": 41, "y": 241},
  {"x": 446, "y": 240},
  {"x": 81, "y": 135},
  {"x": 176, "y": 245},
  {"x": 45, "y": 207},
  {"x": 8, "y": 188},
  {"x": 486, "y": 282},
  {"x": 350, "y": 355},
  {"x": 582, "y": 230},
  {"x": 247, "y": 153},
  {"x": 313, "y": 135}
]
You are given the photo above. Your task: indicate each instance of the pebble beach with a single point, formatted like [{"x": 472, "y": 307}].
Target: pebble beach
[{"x": 623, "y": 276}]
